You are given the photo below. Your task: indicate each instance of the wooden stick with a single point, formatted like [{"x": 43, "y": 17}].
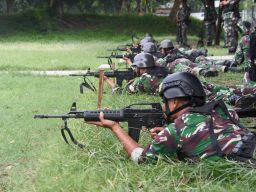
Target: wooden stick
[{"x": 100, "y": 91}]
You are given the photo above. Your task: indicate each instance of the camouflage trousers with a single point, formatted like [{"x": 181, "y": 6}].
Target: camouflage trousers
[
  {"x": 230, "y": 29},
  {"x": 209, "y": 31},
  {"x": 185, "y": 65},
  {"x": 231, "y": 95},
  {"x": 217, "y": 65},
  {"x": 182, "y": 33}
]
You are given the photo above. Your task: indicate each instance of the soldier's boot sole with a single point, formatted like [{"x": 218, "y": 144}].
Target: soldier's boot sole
[{"x": 245, "y": 102}]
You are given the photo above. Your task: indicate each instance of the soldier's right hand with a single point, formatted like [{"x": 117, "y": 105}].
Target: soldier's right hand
[{"x": 155, "y": 131}]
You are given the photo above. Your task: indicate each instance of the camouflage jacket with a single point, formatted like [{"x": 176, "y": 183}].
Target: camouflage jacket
[
  {"x": 233, "y": 6},
  {"x": 190, "y": 135},
  {"x": 183, "y": 15},
  {"x": 147, "y": 83},
  {"x": 242, "y": 52},
  {"x": 228, "y": 94}
]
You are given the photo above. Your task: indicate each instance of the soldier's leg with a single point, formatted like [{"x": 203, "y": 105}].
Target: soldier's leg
[
  {"x": 234, "y": 35},
  {"x": 209, "y": 32},
  {"x": 225, "y": 28}
]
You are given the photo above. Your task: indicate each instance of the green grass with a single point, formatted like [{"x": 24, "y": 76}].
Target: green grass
[{"x": 33, "y": 155}]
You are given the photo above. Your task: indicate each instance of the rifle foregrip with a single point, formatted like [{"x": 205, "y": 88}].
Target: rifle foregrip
[
  {"x": 93, "y": 115},
  {"x": 40, "y": 116}
]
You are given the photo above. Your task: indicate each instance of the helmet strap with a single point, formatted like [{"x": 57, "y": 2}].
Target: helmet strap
[{"x": 169, "y": 113}]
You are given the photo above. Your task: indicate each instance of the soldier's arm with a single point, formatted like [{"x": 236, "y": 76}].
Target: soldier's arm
[{"x": 130, "y": 146}]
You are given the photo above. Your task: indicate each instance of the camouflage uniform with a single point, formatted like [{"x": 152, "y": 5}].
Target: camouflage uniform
[
  {"x": 210, "y": 17},
  {"x": 185, "y": 65},
  {"x": 182, "y": 24},
  {"x": 189, "y": 136},
  {"x": 231, "y": 21},
  {"x": 146, "y": 83},
  {"x": 231, "y": 95},
  {"x": 248, "y": 82},
  {"x": 242, "y": 52}
]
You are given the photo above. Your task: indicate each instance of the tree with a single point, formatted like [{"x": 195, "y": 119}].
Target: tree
[
  {"x": 9, "y": 4},
  {"x": 174, "y": 10}
]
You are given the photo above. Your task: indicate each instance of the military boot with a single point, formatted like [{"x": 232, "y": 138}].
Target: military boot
[
  {"x": 208, "y": 73},
  {"x": 245, "y": 102}
]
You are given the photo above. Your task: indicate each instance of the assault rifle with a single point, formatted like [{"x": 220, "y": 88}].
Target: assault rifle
[
  {"x": 120, "y": 76},
  {"x": 137, "y": 118},
  {"x": 117, "y": 56},
  {"x": 134, "y": 49}
]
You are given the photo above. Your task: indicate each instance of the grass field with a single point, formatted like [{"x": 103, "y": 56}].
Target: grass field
[{"x": 33, "y": 155}]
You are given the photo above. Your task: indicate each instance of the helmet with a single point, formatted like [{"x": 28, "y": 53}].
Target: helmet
[
  {"x": 149, "y": 47},
  {"x": 146, "y": 40},
  {"x": 143, "y": 60},
  {"x": 148, "y": 35},
  {"x": 165, "y": 44},
  {"x": 246, "y": 26},
  {"x": 183, "y": 85}
]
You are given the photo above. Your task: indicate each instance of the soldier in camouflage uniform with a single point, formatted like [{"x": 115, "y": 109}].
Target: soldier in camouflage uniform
[
  {"x": 195, "y": 130},
  {"x": 231, "y": 21},
  {"x": 181, "y": 60},
  {"x": 238, "y": 97},
  {"x": 149, "y": 75},
  {"x": 182, "y": 19},
  {"x": 210, "y": 16},
  {"x": 242, "y": 56}
]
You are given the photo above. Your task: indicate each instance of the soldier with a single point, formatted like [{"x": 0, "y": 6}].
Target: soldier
[
  {"x": 149, "y": 75},
  {"x": 210, "y": 17},
  {"x": 179, "y": 60},
  {"x": 182, "y": 19},
  {"x": 242, "y": 56},
  {"x": 195, "y": 130},
  {"x": 231, "y": 18},
  {"x": 238, "y": 97}
]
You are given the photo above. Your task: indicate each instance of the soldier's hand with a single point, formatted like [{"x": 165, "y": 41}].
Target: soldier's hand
[
  {"x": 104, "y": 122},
  {"x": 155, "y": 131}
]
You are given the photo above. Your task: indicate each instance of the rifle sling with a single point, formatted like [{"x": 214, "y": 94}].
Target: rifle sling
[{"x": 65, "y": 128}]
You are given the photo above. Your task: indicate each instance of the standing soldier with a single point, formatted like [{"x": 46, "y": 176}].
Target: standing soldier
[
  {"x": 230, "y": 17},
  {"x": 210, "y": 16},
  {"x": 182, "y": 18}
]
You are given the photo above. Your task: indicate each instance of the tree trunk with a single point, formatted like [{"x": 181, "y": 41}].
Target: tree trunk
[
  {"x": 138, "y": 7},
  {"x": 56, "y": 7},
  {"x": 117, "y": 4},
  {"x": 174, "y": 11},
  {"x": 9, "y": 6},
  {"x": 126, "y": 5}
]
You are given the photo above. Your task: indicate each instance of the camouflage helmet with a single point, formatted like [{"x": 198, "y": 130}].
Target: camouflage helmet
[
  {"x": 146, "y": 40},
  {"x": 143, "y": 60},
  {"x": 165, "y": 44},
  {"x": 149, "y": 47},
  {"x": 183, "y": 85},
  {"x": 148, "y": 35}
]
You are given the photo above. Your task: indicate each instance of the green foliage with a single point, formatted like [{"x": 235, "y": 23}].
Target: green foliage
[{"x": 37, "y": 24}]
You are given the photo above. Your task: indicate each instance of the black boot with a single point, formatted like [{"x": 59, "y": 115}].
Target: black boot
[{"x": 208, "y": 73}]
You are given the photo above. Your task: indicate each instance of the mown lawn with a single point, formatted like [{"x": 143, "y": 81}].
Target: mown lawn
[{"x": 34, "y": 157}]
